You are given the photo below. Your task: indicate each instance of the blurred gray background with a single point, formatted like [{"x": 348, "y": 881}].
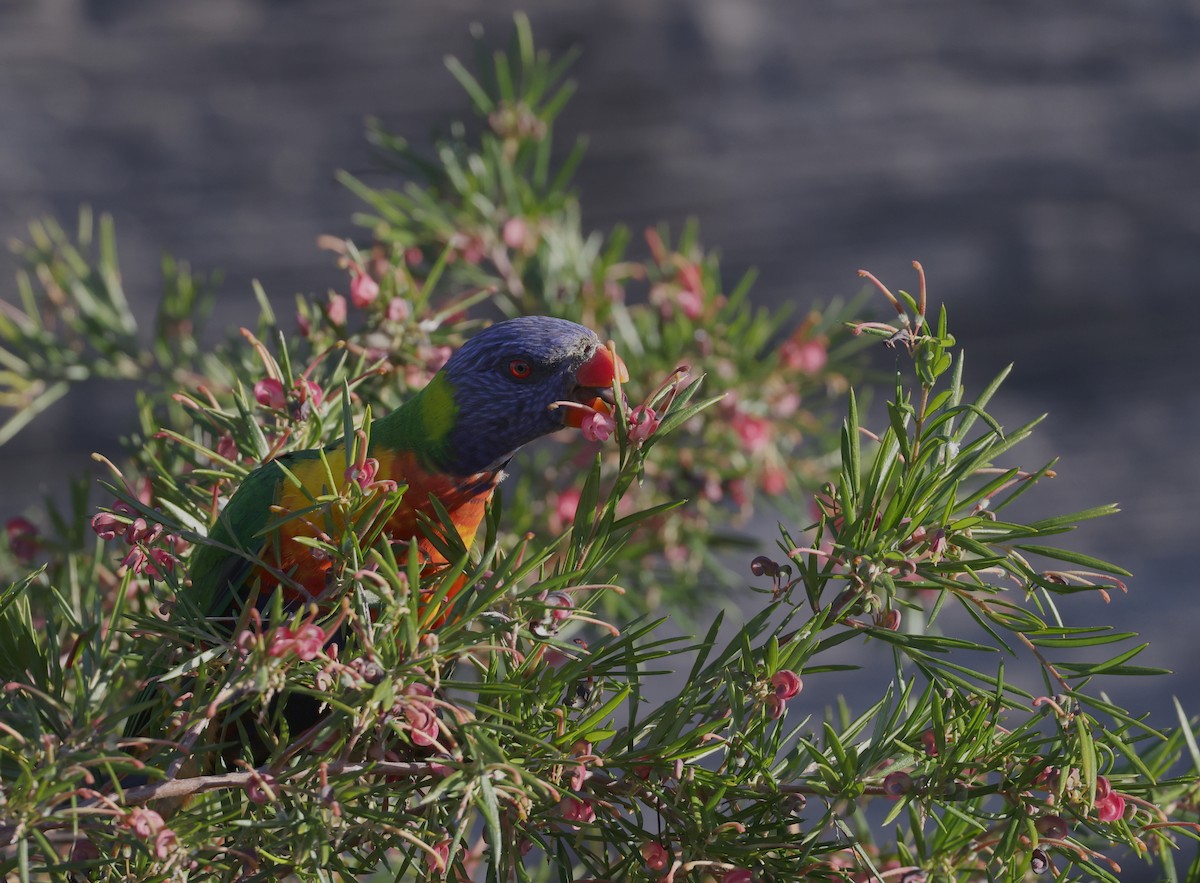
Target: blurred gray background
[{"x": 1041, "y": 160}]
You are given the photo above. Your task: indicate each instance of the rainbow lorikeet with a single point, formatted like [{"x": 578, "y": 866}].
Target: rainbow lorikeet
[{"x": 450, "y": 442}]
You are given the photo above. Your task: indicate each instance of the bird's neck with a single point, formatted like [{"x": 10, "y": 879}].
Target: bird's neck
[{"x": 425, "y": 426}]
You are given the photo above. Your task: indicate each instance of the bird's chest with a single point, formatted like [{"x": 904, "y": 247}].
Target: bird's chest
[{"x": 317, "y": 505}]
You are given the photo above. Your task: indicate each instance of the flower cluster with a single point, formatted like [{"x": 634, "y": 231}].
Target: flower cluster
[
  {"x": 153, "y": 552},
  {"x": 148, "y": 825},
  {"x": 22, "y": 539},
  {"x": 297, "y": 401},
  {"x": 784, "y": 685},
  {"x": 306, "y": 642}
]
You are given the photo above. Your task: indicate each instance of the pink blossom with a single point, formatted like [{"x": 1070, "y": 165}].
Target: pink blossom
[
  {"x": 755, "y": 432},
  {"x": 643, "y": 423},
  {"x": 691, "y": 303},
  {"x": 160, "y": 563},
  {"x": 438, "y": 860},
  {"x": 559, "y": 605},
  {"x": 1054, "y": 827},
  {"x": 107, "y": 526},
  {"x": 365, "y": 474},
  {"x": 805, "y": 356},
  {"x": 897, "y": 784},
  {"x": 787, "y": 684},
  {"x": 268, "y": 392},
  {"x": 436, "y": 357},
  {"x": 774, "y": 481},
  {"x": 22, "y": 538},
  {"x": 136, "y": 529},
  {"x": 421, "y": 716},
  {"x": 573, "y": 809},
  {"x": 655, "y": 855},
  {"x": 306, "y": 642},
  {"x": 135, "y": 560},
  {"x": 597, "y": 426},
  {"x": 776, "y": 706},
  {"x": 738, "y": 875},
  {"x": 413, "y": 256},
  {"x": 227, "y": 448},
  {"x": 336, "y": 310},
  {"x": 258, "y": 789},
  {"x": 515, "y": 233},
  {"x": 567, "y": 505},
  {"x": 1111, "y": 807},
  {"x": 309, "y": 640},
  {"x": 310, "y": 391},
  {"x": 144, "y": 822},
  {"x": 165, "y": 842},
  {"x": 363, "y": 290},
  {"x": 398, "y": 309}
]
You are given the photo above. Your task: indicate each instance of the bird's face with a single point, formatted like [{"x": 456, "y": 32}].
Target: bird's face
[{"x": 507, "y": 378}]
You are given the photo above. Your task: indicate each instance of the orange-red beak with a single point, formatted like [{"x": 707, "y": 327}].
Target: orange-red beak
[{"x": 594, "y": 378}]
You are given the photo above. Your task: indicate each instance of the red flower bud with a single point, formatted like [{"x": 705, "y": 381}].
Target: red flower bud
[
  {"x": 787, "y": 684},
  {"x": 268, "y": 392}
]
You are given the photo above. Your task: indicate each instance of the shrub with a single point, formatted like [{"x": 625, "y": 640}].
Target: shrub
[{"x": 537, "y": 727}]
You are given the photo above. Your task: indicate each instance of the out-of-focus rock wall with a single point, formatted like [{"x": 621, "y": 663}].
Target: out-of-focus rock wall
[{"x": 1042, "y": 160}]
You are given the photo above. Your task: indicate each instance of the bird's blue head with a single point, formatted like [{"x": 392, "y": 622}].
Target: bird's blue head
[{"x": 503, "y": 382}]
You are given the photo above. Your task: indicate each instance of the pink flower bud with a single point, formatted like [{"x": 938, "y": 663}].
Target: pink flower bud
[
  {"x": 107, "y": 526},
  {"x": 135, "y": 560},
  {"x": 143, "y": 822},
  {"x": 227, "y": 448},
  {"x": 165, "y": 843},
  {"x": 336, "y": 310},
  {"x": 135, "y": 531},
  {"x": 897, "y": 784},
  {"x": 269, "y": 393},
  {"x": 310, "y": 392},
  {"x": 363, "y": 475},
  {"x": 776, "y": 706},
  {"x": 1054, "y": 827},
  {"x": 22, "y": 538},
  {"x": 643, "y": 423},
  {"x": 398, "y": 310},
  {"x": 363, "y": 290},
  {"x": 515, "y": 233},
  {"x": 160, "y": 563},
  {"x": 309, "y": 640},
  {"x": 655, "y": 856},
  {"x": 282, "y": 642},
  {"x": 439, "y": 859},
  {"x": 258, "y": 789},
  {"x": 805, "y": 356},
  {"x": 738, "y": 875},
  {"x": 786, "y": 684},
  {"x": 1111, "y": 808},
  {"x": 560, "y": 605},
  {"x": 754, "y": 432},
  {"x": 573, "y": 809},
  {"x": 597, "y": 426}
]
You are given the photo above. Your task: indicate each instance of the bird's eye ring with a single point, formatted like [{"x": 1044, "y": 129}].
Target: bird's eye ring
[{"x": 520, "y": 369}]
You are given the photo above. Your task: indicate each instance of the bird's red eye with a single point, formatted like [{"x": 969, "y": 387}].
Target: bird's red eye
[{"x": 520, "y": 369}]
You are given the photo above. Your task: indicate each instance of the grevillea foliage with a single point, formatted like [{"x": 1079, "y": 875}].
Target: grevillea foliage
[{"x": 623, "y": 690}]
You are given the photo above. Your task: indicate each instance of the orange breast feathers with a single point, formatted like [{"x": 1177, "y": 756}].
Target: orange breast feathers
[{"x": 464, "y": 497}]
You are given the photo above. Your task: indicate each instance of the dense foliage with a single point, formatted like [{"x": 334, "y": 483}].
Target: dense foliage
[{"x": 553, "y": 727}]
